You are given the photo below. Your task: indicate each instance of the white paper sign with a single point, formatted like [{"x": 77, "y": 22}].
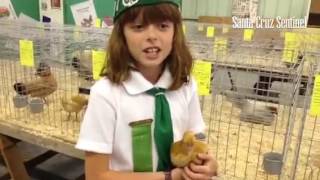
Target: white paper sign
[{"x": 84, "y": 14}]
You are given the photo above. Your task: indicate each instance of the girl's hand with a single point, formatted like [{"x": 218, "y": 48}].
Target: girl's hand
[
  {"x": 203, "y": 168},
  {"x": 176, "y": 174}
]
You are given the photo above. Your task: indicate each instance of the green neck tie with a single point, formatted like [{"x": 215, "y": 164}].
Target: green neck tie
[{"x": 163, "y": 133}]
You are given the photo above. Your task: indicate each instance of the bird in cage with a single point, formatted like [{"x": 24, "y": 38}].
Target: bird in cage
[
  {"x": 82, "y": 62},
  {"x": 74, "y": 105},
  {"x": 41, "y": 87},
  {"x": 251, "y": 111},
  {"x": 186, "y": 150},
  {"x": 255, "y": 112}
]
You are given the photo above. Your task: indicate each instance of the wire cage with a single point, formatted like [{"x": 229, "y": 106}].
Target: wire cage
[
  {"x": 251, "y": 115},
  {"x": 257, "y": 117},
  {"x": 46, "y": 97},
  {"x": 259, "y": 101},
  {"x": 306, "y": 134}
]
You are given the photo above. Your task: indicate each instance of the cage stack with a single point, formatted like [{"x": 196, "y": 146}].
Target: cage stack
[
  {"x": 259, "y": 99},
  {"x": 306, "y": 151},
  {"x": 46, "y": 76}
]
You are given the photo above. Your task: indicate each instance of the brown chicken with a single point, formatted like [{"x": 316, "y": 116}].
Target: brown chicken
[
  {"x": 41, "y": 87},
  {"x": 74, "y": 105},
  {"x": 186, "y": 150}
]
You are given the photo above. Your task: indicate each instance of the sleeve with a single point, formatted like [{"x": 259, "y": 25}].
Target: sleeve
[
  {"x": 196, "y": 123},
  {"x": 97, "y": 128}
]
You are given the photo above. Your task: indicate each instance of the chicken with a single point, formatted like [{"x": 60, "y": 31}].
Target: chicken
[
  {"x": 251, "y": 111},
  {"x": 82, "y": 62},
  {"x": 257, "y": 113},
  {"x": 185, "y": 151},
  {"x": 74, "y": 105},
  {"x": 41, "y": 87}
]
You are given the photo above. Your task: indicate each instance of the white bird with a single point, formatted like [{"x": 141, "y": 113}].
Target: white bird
[
  {"x": 252, "y": 111},
  {"x": 256, "y": 112}
]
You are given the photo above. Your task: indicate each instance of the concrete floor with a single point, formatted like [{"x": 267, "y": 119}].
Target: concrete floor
[{"x": 58, "y": 167}]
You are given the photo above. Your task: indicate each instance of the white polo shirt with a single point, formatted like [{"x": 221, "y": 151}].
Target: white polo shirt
[{"x": 105, "y": 128}]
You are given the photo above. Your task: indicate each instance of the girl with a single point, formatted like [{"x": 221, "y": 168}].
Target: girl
[{"x": 146, "y": 100}]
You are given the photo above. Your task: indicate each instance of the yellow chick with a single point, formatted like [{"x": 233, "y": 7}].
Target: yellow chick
[
  {"x": 74, "y": 105},
  {"x": 186, "y": 150}
]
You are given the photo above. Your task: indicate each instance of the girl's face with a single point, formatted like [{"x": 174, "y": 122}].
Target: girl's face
[{"x": 149, "y": 44}]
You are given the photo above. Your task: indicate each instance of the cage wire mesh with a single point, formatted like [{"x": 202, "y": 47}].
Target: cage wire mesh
[
  {"x": 306, "y": 161},
  {"x": 257, "y": 117},
  {"x": 260, "y": 98},
  {"x": 44, "y": 99},
  {"x": 252, "y": 111}
]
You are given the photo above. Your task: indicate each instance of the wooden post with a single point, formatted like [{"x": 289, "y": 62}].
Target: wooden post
[{"x": 13, "y": 159}]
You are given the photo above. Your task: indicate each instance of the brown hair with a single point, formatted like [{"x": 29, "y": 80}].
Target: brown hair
[{"x": 179, "y": 60}]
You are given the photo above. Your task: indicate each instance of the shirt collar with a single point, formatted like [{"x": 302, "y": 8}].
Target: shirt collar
[{"x": 137, "y": 84}]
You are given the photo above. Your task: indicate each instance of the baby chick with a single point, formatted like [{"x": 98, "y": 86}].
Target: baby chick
[
  {"x": 186, "y": 150},
  {"x": 41, "y": 87},
  {"x": 75, "y": 104}
]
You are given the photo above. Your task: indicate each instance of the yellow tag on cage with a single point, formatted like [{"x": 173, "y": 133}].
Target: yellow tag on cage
[
  {"x": 315, "y": 99},
  {"x": 290, "y": 38},
  {"x": 184, "y": 28},
  {"x": 202, "y": 73},
  {"x": 210, "y": 31},
  {"x": 98, "y": 60},
  {"x": 98, "y": 23},
  {"x": 290, "y": 51},
  {"x": 26, "y": 53},
  {"x": 220, "y": 46},
  {"x": 288, "y": 55},
  {"x": 248, "y": 34}
]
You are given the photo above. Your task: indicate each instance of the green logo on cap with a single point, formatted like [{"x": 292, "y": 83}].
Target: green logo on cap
[
  {"x": 128, "y": 3},
  {"x": 123, "y": 5}
]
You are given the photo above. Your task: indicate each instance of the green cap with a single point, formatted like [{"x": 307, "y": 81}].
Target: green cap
[{"x": 123, "y": 5}]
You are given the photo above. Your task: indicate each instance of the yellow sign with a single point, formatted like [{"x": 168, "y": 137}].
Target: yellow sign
[
  {"x": 26, "y": 53},
  {"x": 98, "y": 23},
  {"x": 248, "y": 34},
  {"x": 315, "y": 99},
  {"x": 184, "y": 29},
  {"x": 210, "y": 31},
  {"x": 202, "y": 73},
  {"x": 220, "y": 46},
  {"x": 291, "y": 44},
  {"x": 98, "y": 61}
]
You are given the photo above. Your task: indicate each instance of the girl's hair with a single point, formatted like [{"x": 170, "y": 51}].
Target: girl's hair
[{"x": 119, "y": 59}]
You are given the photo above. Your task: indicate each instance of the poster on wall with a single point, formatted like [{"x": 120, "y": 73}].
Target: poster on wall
[
  {"x": 84, "y": 14},
  {"x": 7, "y": 10},
  {"x": 245, "y": 9},
  {"x": 55, "y": 4}
]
